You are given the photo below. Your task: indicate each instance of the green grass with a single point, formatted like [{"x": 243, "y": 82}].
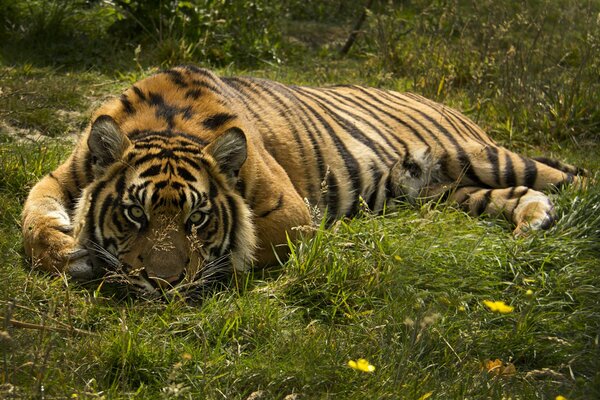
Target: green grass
[{"x": 404, "y": 290}]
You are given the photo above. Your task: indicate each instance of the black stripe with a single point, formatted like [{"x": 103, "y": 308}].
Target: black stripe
[
  {"x": 185, "y": 174},
  {"x": 193, "y": 94},
  {"x": 217, "y": 120},
  {"x": 127, "y": 106},
  {"x": 224, "y": 226},
  {"x": 139, "y": 92},
  {"x": 161, "y": 184},
  {"x": 509, "y": 171},
  {"x": 187, "y": 113},
  {"x": 154, "y": 199},
  {"x": 467, "y": 167},
  {"x": 277, "y": 206},
  {"x": 116, "y": 221},
  {"x": 120, "y": 185},
  {"x": 87, "y": 167},
  {"x": 482, "y": 205},
  {"x": 90, "y": 220},
  {"x": 164, "y": 110},
  {"x": 233, "y": 226},
  {"x": 530, "y": 172},
  {"x": 332, "y": 202},
  {"x": 372, "y": 199},
  {"x": 71, "y": 196},
  {"x": 492, "y": 155},
  {"x": 200, "y": 71},
  {"x": 152, "y": 171},
  {"x": 176, "y": 77},
  {"x": 206, "y": 85},
  {"x": 213, "y": 191}
]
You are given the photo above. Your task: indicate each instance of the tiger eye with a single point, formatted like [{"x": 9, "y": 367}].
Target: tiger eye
[
  {"x": 136, "y": 212},
  {"x": 196, "y": 217}
]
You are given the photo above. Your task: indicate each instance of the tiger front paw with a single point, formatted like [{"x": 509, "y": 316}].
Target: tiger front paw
[{"x": 49, "y": 245}]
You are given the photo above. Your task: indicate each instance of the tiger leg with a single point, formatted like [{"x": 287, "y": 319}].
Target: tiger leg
[
  {"x": 279, "y": 211},
  {"x": 47, "y": 226},
  {"x": 498, "y": 167},
  {"x": 525, "y": 207}
]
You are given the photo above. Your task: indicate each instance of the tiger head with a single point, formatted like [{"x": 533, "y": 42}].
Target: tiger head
[{"x": 163, "y": 209}]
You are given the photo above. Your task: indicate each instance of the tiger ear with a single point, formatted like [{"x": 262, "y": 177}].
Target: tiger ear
[
  {"x": 229, "y": 151},
  {"x": 106, "y": 141}
]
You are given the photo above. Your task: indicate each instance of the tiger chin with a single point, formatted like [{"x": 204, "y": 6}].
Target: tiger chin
[{"x": 188, "y": 176}]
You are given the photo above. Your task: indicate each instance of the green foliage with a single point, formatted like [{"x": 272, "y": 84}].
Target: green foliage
[
  {"x": 55, "y": 32},
  {"x": 512, "y": 62},
  {"x": 215, "y": 31}
]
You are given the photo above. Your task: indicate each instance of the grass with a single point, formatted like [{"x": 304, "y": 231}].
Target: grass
[
  {"x": 404, "y": 290},
  {"x": 395, "y": 289}
]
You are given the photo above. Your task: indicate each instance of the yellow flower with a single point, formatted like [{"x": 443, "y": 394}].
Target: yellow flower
[
  {"x": 559, "y": 397},
  {"x": 362, "y": 365},
  {"x": 529, "y": 292},
  {"x": 498, "y": 306}
]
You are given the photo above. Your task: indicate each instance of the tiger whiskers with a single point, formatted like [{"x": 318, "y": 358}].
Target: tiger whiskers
[
  {"x": 106, "y": 256},
  {"x": 209, "y": 274}
]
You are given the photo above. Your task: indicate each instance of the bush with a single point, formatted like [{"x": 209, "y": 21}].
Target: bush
[{"x": 219, "y": 31}]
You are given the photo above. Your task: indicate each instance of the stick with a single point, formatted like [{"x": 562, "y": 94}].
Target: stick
[
  {"x": 28, "y": 325},
  {"x": 356, "y": 30}
]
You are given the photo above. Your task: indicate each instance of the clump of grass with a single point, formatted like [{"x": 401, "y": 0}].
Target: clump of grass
[
  {"x": 513, "y": 63},
  {"x": 39, "y": 101}
]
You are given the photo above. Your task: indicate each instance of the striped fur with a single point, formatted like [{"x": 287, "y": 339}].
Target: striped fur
[{"x": 188, "y": 173}]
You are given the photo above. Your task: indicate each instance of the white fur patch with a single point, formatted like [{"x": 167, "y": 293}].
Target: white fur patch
[
  {"x": 543, "y": 211},
  {"x": 412, "y": 182},
  {"x": 61, "y": 216}
]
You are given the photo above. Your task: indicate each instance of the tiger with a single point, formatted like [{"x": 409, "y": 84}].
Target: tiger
[{"x": 188, "y": 176}]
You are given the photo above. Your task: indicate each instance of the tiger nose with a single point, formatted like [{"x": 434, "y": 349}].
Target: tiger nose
[{"x": 165, "y": 281}]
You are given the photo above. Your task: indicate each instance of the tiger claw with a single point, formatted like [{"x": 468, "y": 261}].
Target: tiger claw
[{"x": 68, "y": 229}]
